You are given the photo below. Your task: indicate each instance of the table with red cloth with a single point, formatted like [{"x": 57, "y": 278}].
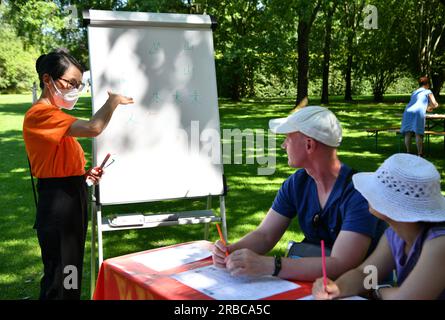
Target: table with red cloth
[{"x": 122, "y": 278}]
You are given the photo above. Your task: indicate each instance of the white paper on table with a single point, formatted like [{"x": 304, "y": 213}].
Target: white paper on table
[
  {"x": 353, "y": 298},
  {"x": 311, "y": 297},
  {"x": 219, "y": 284},
  {"x": 173, "y": 257}
]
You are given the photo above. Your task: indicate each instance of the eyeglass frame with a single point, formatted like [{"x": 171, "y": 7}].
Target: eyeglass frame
[{"x": 78, "y": 86}]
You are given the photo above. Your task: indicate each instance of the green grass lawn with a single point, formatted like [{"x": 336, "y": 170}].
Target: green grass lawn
[{"x": 248, "y": 199}]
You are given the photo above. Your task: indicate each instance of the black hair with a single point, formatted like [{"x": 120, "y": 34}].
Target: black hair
[{"x": 55, "y": 64}]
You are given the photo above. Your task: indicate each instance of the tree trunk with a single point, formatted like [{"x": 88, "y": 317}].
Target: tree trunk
[
  {"x": 353, "y": 11},
  {"x": 378, "y": 96},
  {"x": 348, "y": 72},
  {"x": 236, "y": 84},
  {"x": 303, "y": 61},
  {"x": 437, "y": 80},
  {"x": 235, "y": 96},
  {"x": 327, "y": 57},
  {"x": 379, "y": 88},
  {"x": 304, "y": 29}
]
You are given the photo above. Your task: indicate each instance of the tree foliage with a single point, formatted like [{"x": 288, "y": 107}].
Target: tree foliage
[
  {"x": 17, "y": 72},
  {"x": 381, "y": 50},
  {"x": 273, "y": 47},
  {"x": 38, "y": 23}
]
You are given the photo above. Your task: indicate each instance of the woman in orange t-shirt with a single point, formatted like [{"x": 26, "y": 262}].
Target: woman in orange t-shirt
[{"x": 58, "y": 161}]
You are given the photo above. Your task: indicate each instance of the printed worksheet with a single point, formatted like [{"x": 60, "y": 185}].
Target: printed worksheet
[
  {"x": 221, "y": 285},
  {"x": 173, "y": 257},
  {"x": 311, "y": 297}
]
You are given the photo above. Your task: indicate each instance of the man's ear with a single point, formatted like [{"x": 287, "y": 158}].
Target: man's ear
[{"x": 310, "y": 145}]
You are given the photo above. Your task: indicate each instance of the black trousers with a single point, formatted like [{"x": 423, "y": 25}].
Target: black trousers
[{"x": 61, "y": 223}]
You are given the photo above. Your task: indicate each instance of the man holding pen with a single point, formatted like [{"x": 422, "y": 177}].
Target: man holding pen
[{"x": 320, "y": 195}]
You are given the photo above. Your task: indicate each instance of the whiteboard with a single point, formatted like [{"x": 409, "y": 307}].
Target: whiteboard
[{"x": 167, "y": 145}]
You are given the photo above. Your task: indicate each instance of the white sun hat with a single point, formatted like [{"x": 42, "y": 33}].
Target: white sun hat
[
  {"x": 405, "y": 188},
  {"x": 316, "y": 122}
]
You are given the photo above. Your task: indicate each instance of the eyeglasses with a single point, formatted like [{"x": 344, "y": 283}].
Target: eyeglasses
[{"x": 73, "y": 84}]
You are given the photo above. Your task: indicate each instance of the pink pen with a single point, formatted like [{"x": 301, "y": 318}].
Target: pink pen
[{"x": 323, "y": 264}]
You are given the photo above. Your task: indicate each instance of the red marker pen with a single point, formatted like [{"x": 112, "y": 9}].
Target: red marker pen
[
  {"x": 89, "y": 181},
  {"x": 105, "y": 160}
]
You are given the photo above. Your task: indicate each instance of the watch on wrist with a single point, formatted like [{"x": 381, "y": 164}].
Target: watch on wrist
[
  {"x": 277, "y": 266},
  {"x": 376, "y": 292}
]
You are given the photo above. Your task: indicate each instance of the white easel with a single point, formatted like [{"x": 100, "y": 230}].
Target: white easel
[{"x": 162, "y": 54}]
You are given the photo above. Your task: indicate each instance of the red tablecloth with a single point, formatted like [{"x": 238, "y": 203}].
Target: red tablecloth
[{"x": 122, "y": 278}]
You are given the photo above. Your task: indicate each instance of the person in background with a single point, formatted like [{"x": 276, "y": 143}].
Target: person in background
[
  {"x": 413, "y": 120},
  {"x": 34, "y": 92},
  {"x": 323, "y": 199},
  {"x": 405, "y": 192},
  {"x": 58, "y": 161}
]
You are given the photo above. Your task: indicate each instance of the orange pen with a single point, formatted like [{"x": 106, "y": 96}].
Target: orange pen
[{"x": 222, "y": 238}]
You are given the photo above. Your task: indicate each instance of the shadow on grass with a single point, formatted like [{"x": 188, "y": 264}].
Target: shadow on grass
[{"x": 20, "y": 254}]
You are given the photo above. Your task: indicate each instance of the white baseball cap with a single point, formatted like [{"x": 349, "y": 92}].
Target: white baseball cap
[
  {"x": 405, "y": 188},
  {"x": 316, "y": 122}
]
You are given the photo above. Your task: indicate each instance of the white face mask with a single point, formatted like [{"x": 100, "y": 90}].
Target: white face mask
[{"x": 64, "y": 98}]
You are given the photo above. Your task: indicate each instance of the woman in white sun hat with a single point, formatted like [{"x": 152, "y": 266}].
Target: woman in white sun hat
[{"x": 405, "y": 192}]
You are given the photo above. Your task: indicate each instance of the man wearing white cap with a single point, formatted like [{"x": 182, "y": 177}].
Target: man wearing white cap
[
  {"x": 405, "y": 192},
  {"x": 320, "y": 195}
]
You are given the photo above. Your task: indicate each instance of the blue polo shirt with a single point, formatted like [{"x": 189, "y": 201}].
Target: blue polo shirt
[{"x": 345, "y": 209}]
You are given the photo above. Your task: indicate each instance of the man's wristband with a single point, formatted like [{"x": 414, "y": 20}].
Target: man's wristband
[
  {"x": 376, "y": 292},
  {"x": 277, "y": 266}
]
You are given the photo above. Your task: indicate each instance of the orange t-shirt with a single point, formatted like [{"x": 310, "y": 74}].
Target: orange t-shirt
[{"x": 51, "y": 152}]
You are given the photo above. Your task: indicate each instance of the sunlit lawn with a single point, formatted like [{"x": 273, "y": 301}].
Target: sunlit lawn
[{"x": 248, "y": 199}]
